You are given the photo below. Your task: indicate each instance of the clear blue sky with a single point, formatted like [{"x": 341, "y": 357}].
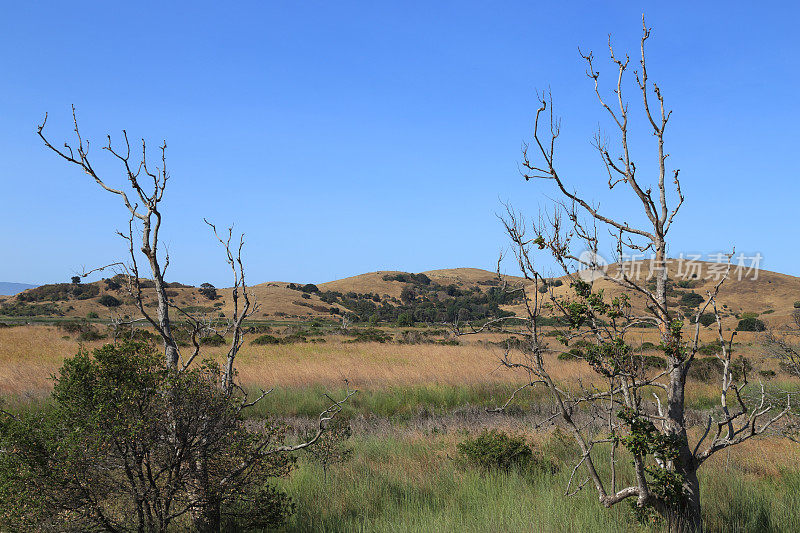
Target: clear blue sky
[{"x": 346, "y": 137}]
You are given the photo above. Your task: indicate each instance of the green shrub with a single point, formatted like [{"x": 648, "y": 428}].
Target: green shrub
[
  {"x": 143, "y": 335},
  {"x": 706, "y": 369},
  {"x": 496, "y": 450},
  {"x": 797, "y": 304},
  {"x": 92, "y": 314},
  {"x": 405, "y": 320},
  {"x": 67, "y": 466},
  {"x": 710, "y": 368},
  {"x": 712, "y": 348},
  {"x": 59, "y": 291},
  {"x": 369, "y": 335},
  {"x": 571, "y": 355},
  {"x": 91, "y": 335},
  {"x": 72, "y": 326},
  {"x": 265, "y": 339},
  {"x": 108, "y": 301},
  {"x": 751, "y": 324},
  {"x": 692, "y": 299},
  {"x": 647, "y": 345},
  {"x": 213, "y": 340},
  {"x": 706, "y": 319},
  {"x": 25, "y": 309},
  {"x": 309, "y": 287}
]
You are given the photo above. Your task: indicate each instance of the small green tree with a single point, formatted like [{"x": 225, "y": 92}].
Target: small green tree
[
  {"x": 751, "y": 324},
  {"x": 331, "y": 448},
  {"x": 405, "y": 320},
  {"x": 208, "y": 291},
  {"x": 116, "y": 451}
]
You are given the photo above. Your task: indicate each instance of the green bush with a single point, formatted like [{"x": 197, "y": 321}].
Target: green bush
[
  {"x": 405, "y": 320},
  {"x": 706, "y": 319},
  {"x": 706, "y": 369},
  {"x": 108, "y": 301},
  {"x": 496, "y": 450},
  {"x": 692, "y": 299},
  {"x": 751, "y": 324},
  {"x": 369, "y": 335},
  {"x": 59, "y": 291},
  {"x": 571, "y": 355},
  {"x": 797, "y": 304},
  {"x": 265, "y": 339},
  {"x": 118, "y": 442},
  {"x": 72, "y": 326},
  {"x": 25, "y": 309},
  {"x": 710, "y": 368},
  {"x": 712, "y": 348},
  {"x": 309, "y": 287},
  {"x": 213, "y": 340},
  {"x": 92, "y": 314}
]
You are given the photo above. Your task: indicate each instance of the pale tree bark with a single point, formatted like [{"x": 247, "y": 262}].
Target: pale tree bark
[{"x": 148, "y": 215}]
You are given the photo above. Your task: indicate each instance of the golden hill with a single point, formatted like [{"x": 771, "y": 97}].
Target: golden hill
[{"x": 772, "y": 295}]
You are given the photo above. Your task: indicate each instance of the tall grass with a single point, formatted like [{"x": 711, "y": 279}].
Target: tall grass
[
  {"x": 413, "y": 484},
  {"x": 394, "y": 402}
]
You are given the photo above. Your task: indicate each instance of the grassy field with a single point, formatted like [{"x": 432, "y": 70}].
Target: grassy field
[
  {"x": 414, "y": 483},
  {"x": 415, "y": 403}
]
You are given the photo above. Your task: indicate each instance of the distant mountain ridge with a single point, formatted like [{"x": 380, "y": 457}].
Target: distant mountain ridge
[{"x": 10, "y": 288}]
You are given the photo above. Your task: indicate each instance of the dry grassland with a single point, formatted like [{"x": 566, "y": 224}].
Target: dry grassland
[{"x": 29, "y": 355}]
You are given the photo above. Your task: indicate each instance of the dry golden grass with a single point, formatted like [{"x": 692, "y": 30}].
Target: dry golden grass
[
  {"x": 374, "y": 365},
  {"x": 29, "y": 355}
]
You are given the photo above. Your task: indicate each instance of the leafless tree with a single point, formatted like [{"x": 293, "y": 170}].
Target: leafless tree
[
  {"x": 147, "y": 184},
  {"x": 620, "y": 411}
]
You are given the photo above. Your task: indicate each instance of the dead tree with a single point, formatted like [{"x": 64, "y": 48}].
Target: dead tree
[
  {"x": 651, "y": 428},
  {"x": 148, "y": 183}
]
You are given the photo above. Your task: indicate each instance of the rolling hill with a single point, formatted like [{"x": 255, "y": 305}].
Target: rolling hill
[{"x": 772, "y": 295}]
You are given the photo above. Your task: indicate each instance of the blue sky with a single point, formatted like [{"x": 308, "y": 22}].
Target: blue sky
[{"x": 346, "y": 137}]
